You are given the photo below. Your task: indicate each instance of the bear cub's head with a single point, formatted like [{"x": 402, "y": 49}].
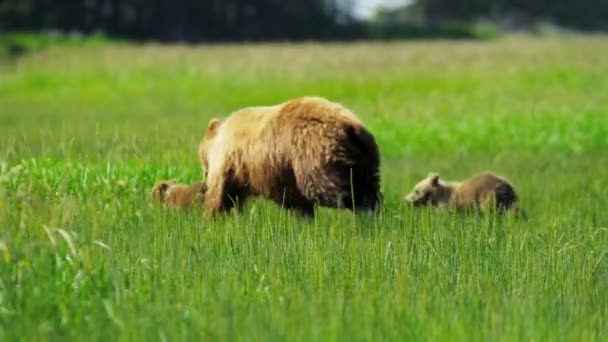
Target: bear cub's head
[
  {"x": 173, "y": 195},
  {"x": 427, "y": 191},
  {"x": 160, "y": 191}
]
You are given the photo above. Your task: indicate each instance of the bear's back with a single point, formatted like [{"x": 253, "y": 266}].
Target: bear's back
[
  {"x": 317, "y": 108},
  {"x": 483, "y": 191}
]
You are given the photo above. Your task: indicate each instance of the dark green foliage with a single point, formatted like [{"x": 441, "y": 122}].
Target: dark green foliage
[
  {"x": 581, "y": 14},
  {"x": 184, "y": 20},
  {"x": 257, "y": 20}
]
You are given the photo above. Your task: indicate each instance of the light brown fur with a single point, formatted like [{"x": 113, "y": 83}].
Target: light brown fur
[
  {"x": 299, "y": 153},
  {"x": 483, "y": 192},
  {"x": 173, "y": 195}
]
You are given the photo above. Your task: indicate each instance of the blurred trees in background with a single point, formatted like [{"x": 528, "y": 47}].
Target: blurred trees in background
[
  {"x": 255, "y": 20},
  {"x": 208, "y": 20},
  {"x": 580, "y": 14}
]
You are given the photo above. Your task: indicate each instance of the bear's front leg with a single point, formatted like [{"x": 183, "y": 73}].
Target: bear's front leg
[
  {"x": 216, "y": 199},
  {"x": 222, "y": 194}
]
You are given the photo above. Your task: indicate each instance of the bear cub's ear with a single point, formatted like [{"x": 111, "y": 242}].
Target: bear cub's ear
[
  {"x": 163, "y": 187},
  {"x": 434, "y": 178}
]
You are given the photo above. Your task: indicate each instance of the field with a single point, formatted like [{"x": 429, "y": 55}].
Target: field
[{"x": 85, "y": 131}]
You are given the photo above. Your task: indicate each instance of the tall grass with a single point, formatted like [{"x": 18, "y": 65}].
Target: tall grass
[{"x": 85, "y": 132}]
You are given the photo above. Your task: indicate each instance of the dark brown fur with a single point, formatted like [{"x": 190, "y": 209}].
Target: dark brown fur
[
  {"x": 173, "y": 195},
  {"x": 483, "y": 192},
  {"x": 300, "y": 153}
]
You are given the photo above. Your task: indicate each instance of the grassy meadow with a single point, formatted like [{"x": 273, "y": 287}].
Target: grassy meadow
[{"x": 85, "y": 131}]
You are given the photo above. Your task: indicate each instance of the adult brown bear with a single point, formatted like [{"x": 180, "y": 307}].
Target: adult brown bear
[{"x": 298, "y": 153}]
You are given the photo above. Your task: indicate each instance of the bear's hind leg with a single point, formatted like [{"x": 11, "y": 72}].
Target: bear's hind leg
[
  {"x": 294, "y": 201},
  {"x": 307, "y": 210},
  {"x": 360, "y": 191}
]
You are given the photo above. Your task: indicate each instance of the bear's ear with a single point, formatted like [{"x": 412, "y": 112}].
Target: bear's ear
[
  {"x": 434, "y": 178},
  {"x": 163, "y": 187},
  {"x": 158, "y": 193},
  {"x": 213, "y": 124}
]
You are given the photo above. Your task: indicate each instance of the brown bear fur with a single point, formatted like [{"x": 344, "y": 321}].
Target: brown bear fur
[
  {"x": 483, "y": 192},
  {"x": 173, "y": 195},
  {"x": 299, "y": 153}
]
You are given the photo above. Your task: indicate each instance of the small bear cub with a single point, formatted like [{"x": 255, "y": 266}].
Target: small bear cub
[
  {"x": 483, "y": 192},
  {"x": 173, "y": 195}
]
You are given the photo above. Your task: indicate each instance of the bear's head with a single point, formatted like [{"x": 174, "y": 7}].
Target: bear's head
[
  {"x": 205, "y": 144},
  {"x": 159, "y": 192},
  {"x": 426, "y": 191}
]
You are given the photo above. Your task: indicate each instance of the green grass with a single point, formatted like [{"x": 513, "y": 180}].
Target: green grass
[{"x": 85, "y": 131}]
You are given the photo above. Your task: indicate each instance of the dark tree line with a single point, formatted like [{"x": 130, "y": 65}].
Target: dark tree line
[
  {"x": 209, "y": 20},
  {"x": 253, "y": 20},
  {"x": 580, "y": 14}
]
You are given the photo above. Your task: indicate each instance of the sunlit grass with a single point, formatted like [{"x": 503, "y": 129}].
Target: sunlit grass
[{"x": 86, "y": 131}]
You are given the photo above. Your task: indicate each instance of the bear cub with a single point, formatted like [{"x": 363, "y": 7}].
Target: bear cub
[
  {"x": 483, "y": 192},
  {"x": 174, "y": 195}
]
